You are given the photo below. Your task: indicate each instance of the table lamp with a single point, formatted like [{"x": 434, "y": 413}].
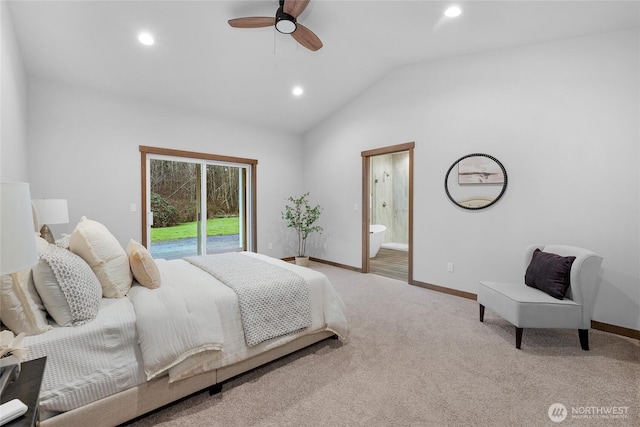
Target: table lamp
[
  {"x": 51, "y": 211},
  {"x": 17, "y": 242},
  {"x": 17, "y": 253}
]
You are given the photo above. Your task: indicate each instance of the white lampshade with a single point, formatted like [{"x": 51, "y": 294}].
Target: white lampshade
[
  {"x": 17, "y": 241},
  {"x": 52, "y": 211}
]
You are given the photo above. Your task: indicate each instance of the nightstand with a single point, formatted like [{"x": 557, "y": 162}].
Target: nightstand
[{"x": 27, "y": 389}]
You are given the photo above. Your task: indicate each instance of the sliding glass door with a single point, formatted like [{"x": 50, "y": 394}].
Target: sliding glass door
[{"x": 197, "y": 206}]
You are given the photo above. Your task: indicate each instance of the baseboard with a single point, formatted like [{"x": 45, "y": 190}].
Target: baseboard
[
  {"x": 618, "y": 330},
  {"x": 336, "y": 264},
  {"x": 322, "y": 261},
  {"x": 444, "y": 290}
]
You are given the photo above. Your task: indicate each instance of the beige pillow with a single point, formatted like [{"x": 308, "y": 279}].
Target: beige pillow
[
  {"x": 21, "y": 308},
  {"x": 18, "y": 311},
  {"x": 144, "y": 268},
  {"x": 101, "y": 250}
]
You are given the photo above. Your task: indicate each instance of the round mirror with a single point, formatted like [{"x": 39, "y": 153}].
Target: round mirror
[{"x": 475, "y": 181}]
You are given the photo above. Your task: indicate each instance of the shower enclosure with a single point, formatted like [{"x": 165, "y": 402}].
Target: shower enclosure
[{"x": 390, "y": 198}]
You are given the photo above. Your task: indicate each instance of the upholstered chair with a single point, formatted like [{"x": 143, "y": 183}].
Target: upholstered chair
[{"x": 540, "y": 303}]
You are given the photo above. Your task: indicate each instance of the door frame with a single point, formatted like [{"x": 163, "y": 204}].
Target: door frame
[{"x": 366, "y": 207}]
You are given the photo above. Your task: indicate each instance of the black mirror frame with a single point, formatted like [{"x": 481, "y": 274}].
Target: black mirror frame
[{"x": 504, "y": 185}]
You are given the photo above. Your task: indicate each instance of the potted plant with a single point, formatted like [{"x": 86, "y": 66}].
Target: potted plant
[{"x": 301, "y": 216}]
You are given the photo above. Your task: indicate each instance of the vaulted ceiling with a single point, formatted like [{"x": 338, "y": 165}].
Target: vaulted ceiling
[{"x": 200, "y": 63}]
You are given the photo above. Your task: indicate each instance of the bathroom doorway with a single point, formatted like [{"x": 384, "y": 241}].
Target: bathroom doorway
[{"x": 387, "y": 220}]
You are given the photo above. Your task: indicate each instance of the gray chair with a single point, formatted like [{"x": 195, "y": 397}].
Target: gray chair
[{"x": 528, "y": 307}]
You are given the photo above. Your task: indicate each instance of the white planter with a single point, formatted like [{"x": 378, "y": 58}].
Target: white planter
[{"x": 302, "y": 261}]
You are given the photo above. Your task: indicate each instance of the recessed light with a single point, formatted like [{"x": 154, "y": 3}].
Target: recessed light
[
  {"x": 453, "y": 11},
  {"x": 146, "y": 39},
  {"x": 297, "y": 91}
]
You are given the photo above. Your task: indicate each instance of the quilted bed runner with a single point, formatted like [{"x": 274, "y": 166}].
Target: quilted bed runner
[{"x": 273, "y": 301}]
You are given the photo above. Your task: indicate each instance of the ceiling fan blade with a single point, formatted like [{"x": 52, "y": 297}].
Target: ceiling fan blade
[
  {"x": 252, "y": 22},
  {"x": 295, "y": 7},
  {"x": 306, "y": 38}
]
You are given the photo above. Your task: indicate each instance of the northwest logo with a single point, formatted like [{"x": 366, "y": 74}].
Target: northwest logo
[{"x": 557, "y": 412}]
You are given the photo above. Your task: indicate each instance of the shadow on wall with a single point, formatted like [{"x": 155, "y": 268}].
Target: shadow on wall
[{"x": 617, "y": 301}]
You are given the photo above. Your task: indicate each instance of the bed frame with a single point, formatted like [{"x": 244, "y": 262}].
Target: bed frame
[{"x": 144, "y": 398}]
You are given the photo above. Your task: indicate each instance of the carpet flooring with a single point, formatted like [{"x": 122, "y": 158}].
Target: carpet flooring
[{"x": 416, "y": 357}]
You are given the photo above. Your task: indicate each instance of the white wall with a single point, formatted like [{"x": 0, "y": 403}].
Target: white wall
[
  {"x": 83, "y": 146},
  {"x": 563, "y": 117},
  {"x": 13, "y": 148}
]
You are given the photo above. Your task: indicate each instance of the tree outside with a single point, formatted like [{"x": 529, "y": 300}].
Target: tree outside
[{"x": 174, "y": 200}]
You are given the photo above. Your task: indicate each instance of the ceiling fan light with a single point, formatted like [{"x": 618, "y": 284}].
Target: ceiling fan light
[
  {"x": 146, "y": 39},
  {"x": 285, "y": 26},
  {"x": 285, "y": 23},
  {"x": 453, "y": 11}
]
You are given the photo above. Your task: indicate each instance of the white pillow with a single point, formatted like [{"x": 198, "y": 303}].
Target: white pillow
[
  {"x": 68, "y": 287},
  {"x": 21, "y": 308},
  {"x": 101, "y": 250}
]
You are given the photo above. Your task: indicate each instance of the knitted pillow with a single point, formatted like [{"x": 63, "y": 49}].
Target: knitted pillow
[{"x": 68, "y": 287}]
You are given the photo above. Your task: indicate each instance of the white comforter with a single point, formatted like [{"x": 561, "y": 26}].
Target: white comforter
[
  {"x": 201, "y": 350},
  {"x": 86, "y": 363},
  {"x": 175, "y": 321}
]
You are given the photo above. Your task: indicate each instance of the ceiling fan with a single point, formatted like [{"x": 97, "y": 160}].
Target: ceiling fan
[{"x": 285, "y": 22}]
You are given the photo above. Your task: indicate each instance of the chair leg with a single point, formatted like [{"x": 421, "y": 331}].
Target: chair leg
[
  {"x": 584, "y": 339},
  {"x": 481, "y": 312},
  {"x": 518, "y": 337}
]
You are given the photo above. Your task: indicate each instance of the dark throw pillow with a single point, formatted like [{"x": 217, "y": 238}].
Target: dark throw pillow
[{"x": 550, "y": 273}]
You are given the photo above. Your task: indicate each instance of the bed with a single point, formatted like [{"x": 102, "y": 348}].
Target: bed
[{"x": 153, "y": 345}]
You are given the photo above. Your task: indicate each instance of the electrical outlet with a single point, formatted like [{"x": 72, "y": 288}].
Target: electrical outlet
[
  {"x": 450, "y": 267},
  {"x": 270, "y": 245}
]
